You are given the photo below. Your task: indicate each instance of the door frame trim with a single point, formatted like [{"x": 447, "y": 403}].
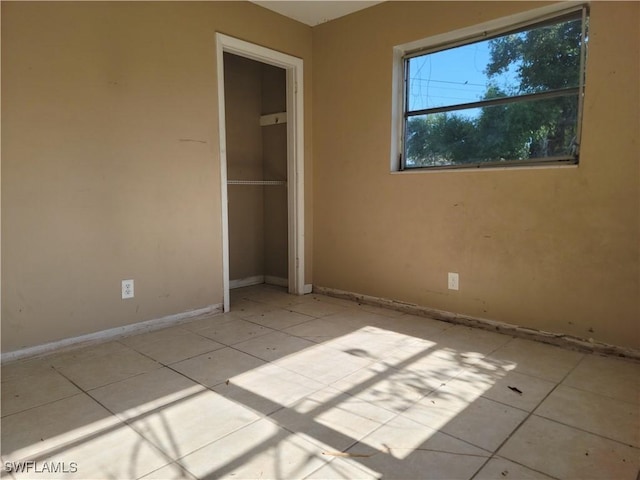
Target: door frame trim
[{"x": 295, "y": 154}]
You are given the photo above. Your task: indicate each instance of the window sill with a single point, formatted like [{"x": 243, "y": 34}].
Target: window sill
[{"x": 511, "y": 168}]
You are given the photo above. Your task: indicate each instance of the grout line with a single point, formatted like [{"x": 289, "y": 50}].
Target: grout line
[
  {"x": 4, "y": 417},
  {"x": 329, "y": 385},
  {"x": 598, "y": 394},
  {"x": 124, "y": 422},
  {"x": 498, "y": 457},
  {"x": 587, "y": 431},
  {"x": 530, "y": 414},
  {"x": 130, "y": 423}
]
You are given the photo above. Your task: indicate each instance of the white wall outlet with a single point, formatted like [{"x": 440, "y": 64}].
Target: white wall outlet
[
  {"x": 454, "y": 280},
  {"x": 127, "y": 289}
]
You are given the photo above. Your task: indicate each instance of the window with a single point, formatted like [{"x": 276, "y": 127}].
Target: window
[{"x": 512, "y": 96}]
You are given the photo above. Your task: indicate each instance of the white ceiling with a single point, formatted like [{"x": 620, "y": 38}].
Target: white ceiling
[{"x": 314, "y": 12}]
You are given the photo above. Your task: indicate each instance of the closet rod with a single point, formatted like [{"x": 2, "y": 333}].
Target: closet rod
[{"x": 256, "y": 182}]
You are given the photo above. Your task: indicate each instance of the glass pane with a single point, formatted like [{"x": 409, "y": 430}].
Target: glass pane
[
  {"x": 536, "y": 60},
  {"x": 499, "y": 133}
]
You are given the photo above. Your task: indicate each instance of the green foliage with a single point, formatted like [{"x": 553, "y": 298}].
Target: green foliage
[
  {"x": 440, "y": 139},
  {"x": 545, "y": 58}
]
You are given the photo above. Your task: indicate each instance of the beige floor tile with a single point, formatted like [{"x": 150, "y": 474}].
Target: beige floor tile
[
  {"x": 39, "y": 386},
  {"x": 387, "y": 312},
  {"x": 147, "y": 393},
  {"x": 245, "y": 308},
  {"x": 335, "y": 300},
  {"x": 260, "y": 450},
  {"x": 336, "y": 325},
  {"x": 217, "y": 367},
  {"x": 332, "y": 419},
  {"x": 438, "y": 409},
  {"x": 288, "y": 301},
  {"x": 173, "y": 471},
  {"x": 87, "y": 354},
  {"x": 409, "y": 354},
  {"x": 501, "y": 468},
  {"x": 429, "y": 366},
  {"x": 359, "y": 318},
  {"x": 275, "y": 296},
  {"x": 99, "y": 365},
  {"x": 382, "y": 379},
  {"x": 339, "y": 469},
  {"x": 255, "y": 402},
  {"x": 202, "y": 323},
  {"x": 564, "y": 452},
  {"x": 317, "y": 308},
  {"x": 24, "y": 368},
  {"x": 178, "y": 422},
  {"x": 611, "y": 377},
  {"x": 494, "y": 384},
  {"x": 384, "y": 386},
  {"x": 482, "y": 422},
  {"x": 234, "y": 331},
  {"x": 274, "y": 384},
  {"x": 171, "y": 345},
  {"x": 594, "y": 413},
  {"x": 5, "y": 473},
  {"x": 403, "y": 448},
  {"x": 245, "y": 292},
  {"x": 322, "y": 363},
  {"x": 470, "y": 342},
  {"x": 485, "y": 423},
  {"x": 274, "y": 346},
  {"x": 118, "y": 454},
  {"x": 375, "y": 343},
  {"x": 320, "y": 330},
  {"x": 279, "y": 319},
  {"x": 537, "y": 359},
  {"x": 418, "y": 327},
  {"x": 77, "y": 429}
]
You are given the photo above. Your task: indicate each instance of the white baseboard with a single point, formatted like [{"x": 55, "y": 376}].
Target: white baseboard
[
  {"x": 246, "y": 282},
  {"x": 109, "y": 334},
  {"x": 268, "y": 279},
  {"x": 278, "y": 281},
  {"x": 258, "y": 280},
  {"x": 559, "y": 339}
]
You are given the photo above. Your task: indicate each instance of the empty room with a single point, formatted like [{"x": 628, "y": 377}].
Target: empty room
[{"x": 320, "y": 240}]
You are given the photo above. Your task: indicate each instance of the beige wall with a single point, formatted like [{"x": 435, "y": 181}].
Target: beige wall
[
  {"x": 554, "y": 249},
  {"x": 110, "y": 171},
  {"x": 110, "y": 160}
]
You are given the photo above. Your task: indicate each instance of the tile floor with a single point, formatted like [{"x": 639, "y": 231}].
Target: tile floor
[{"x": 320, "y": 388}]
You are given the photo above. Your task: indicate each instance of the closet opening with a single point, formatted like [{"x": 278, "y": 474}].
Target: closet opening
[
  {"x": 256, "y": 103},
  {"x": 261, "y": 156}
]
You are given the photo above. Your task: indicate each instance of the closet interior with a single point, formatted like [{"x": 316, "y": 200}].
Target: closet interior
[{"x": 256, "y": 135}]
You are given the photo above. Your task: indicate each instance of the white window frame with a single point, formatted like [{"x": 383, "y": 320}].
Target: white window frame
[{"x": 460, "y": 37}]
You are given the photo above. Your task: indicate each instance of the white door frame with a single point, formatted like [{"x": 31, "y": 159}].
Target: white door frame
[{"x": 295, "y": 154}]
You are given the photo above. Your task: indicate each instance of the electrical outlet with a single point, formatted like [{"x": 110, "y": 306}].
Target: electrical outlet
[
  {"x": 127, "y": 289},
  {"x": 454, "y": 280}
]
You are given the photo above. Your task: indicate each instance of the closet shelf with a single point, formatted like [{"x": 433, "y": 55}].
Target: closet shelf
[
  {"x": 273, "y": 119},
  {"x": 256, "y": 182}
]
